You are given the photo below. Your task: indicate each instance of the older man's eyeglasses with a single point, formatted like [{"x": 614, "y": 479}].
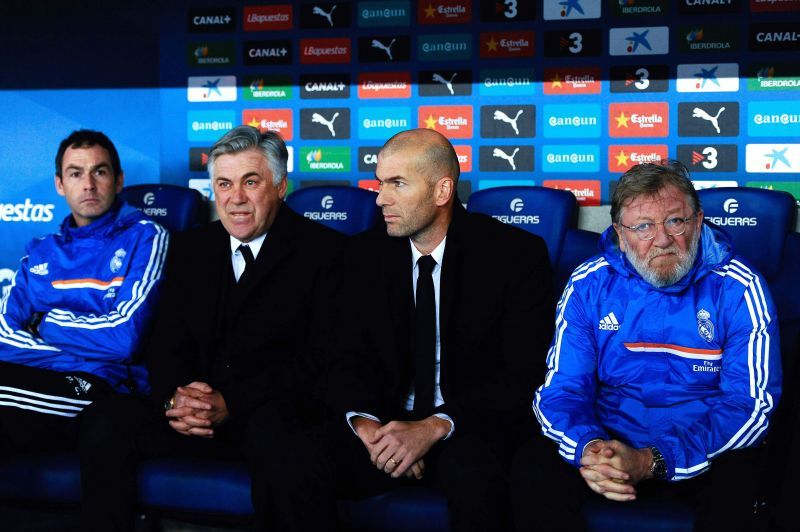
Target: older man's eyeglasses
[{"x": 647, "y": 231}]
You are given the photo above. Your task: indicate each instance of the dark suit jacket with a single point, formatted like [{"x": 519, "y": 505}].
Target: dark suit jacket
[
  {"x": 279, "y": 318},
  {"x": 496, "y": 315}
]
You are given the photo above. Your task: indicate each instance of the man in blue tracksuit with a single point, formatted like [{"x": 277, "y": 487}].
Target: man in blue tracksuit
[
  {"x": 73, "y": 318},
  {"x": 664, "y": 365}
]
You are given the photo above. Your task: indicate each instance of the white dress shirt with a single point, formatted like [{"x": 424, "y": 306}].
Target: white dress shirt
[{"x": 237, "y": 260}]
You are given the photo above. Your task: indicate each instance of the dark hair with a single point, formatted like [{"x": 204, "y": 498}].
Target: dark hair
[
  {"x": 242, "y": 138},
  {"x": 648, "y": 179},
  {"x": 85, "y": 138}
]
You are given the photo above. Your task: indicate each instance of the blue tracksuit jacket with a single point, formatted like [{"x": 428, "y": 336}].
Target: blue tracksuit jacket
[
  {"x": 692, "y": 369},
  {"x": 95, "y": 289}
]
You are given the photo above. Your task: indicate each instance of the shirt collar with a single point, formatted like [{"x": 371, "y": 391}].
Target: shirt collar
[
  {"x": 255, "y": 244},
  {"x": 437, "y": 253}
]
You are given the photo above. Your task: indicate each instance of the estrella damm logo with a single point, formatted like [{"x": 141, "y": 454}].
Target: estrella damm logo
[
  {"x": 571, "y": 80},
  {"x": 444, "y": 11},
  {"x": 452, "y": 121},
  {"x": 640, "y": 119},
  {"x": 507, "y": 44},
  {"x": 623, "y": 157},
  {"x": 586, "y": 191},
  {"x": 277, "y": 120}
]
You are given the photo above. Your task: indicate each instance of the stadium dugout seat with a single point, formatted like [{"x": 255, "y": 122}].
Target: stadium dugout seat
[
  {"x": 761, "y": 224},
  {"x": 174, "y": 207},
  {"x": 552, "y": 214},
  {"x": 349, "y": 210}
]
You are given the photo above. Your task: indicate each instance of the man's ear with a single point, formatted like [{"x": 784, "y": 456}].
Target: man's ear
[
  {"x": 59, "y": 185},
  {"x": 282, "y": 188},
  {"x": 444, "y": 191},
  {"x": 620, "y": 238},
  {"x": 120, "y": 182}
]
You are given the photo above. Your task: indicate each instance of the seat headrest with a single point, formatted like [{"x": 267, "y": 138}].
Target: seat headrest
[
  {"x": 174, "y": 207},
  {"x": 349, "y": 210},
  {"x": 757, "y": 221},
  {"x": 546, "y": 212}
]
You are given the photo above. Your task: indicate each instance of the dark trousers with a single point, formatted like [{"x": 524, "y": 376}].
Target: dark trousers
[
  {"x": 298, "y": 476},
  {"x": 548, "y": 493},
  {"x": 115, "y": 434},
  {"x": 40, "y": 409}
]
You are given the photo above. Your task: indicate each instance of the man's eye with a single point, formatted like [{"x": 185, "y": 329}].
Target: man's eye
[
  {"x": 673, "y": 222},
  {"x": 643, "y": 228}
]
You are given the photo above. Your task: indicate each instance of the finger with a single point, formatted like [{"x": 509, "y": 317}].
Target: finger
[
  {"x": 610, "y": 472},
  {"x": 383, "y": 458},
  {"x": 181, "y": 427},
  {"x": 185, "y": 391},
  {"x": 609, "y": 486},
  {"x": 203, "y": 433},
  {"x": 619, "y": 497},
  {"x": 202, "y": 386},
  {"x": 415, "y": 471},
  {"x": 193, "y": 402},
  {"x": 180, "y": 412},
  {"x": 376, "y": 451},
  {"x": 194, "y": 421}
]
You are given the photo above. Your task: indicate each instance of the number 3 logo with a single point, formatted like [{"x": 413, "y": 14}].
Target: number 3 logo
[
  {"x": 577, "y": 42},
  {"x": 511, "y": 8}
]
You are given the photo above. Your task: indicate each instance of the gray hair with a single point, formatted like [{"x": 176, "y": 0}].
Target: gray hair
[
  {"x": 648, "y": 179},
  {"x": 243, "y": 138}
]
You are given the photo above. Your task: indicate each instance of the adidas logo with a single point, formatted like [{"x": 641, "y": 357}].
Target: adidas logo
[
  {"x": 39, "y": 269},
  {"x": 609, "y": 323}
]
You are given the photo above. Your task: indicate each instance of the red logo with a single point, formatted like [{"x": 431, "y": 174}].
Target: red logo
[
  {"x": 384, "y": 85},
  {"x": 315, "y": 51},
  {"x": 572, "y": 80},
  {"x": 464, "y": 154},
  {"x": 507, "y": 44},
  {"x": 623, "y": 158},
  {"x": 587, "y": 191},
  {"x": 452, "y": 121},
  {"x": 268, "y": 18},
  {"x": 638, "y": 119},
  {"x": 278, "y": 120},
  {"x": 369, "y": 184},
  {"x": 444, "y": 12},
  {"x": 774, "y": 5}
]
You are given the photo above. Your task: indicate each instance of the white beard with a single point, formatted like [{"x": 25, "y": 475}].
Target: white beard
[{"x": 660, "y": 278}]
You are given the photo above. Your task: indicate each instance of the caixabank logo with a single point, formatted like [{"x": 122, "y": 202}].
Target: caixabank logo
[
  {"x": 571, "y": 121},
  {"x": 709, "y": 158},
  {"x": 506, "y": 158},
  {"x": 507, "y": 82},
  {"x": 325, "y": 123},
  {"x": 452, "y": 121},
  {"x": 508, "y": 121},
  {"x": 277, "y": 120},
  {"x": 270, "y": 52},
  {"x": 269, "y": 87},
  {"x": 568, "y": 158},
  {"x": 708, "y": 77},
  {"x": 507, "y": 10},
  {"x": 778, "y": 37},
  {"x": 639, "y": 78},
  {"x": 640, "y": 119},
  {"x": 622, "y": 158},
  {"x": 573, "y": 43},
  {"x": 444, "y": 11},
  {"x": 705, "y": 38},
  {"x": 333, "y": 50},
  {"x": 211, "y": 20},
  {"x": 445, "y": 82},
  {"x": 571, "y": 81},
  {"x": 384, "y": 49},
  {"x": 380, "y": 123},
  {"x": 384, "y": 85},
  {"x": 653, "y": 40},
  {"x": 447, "y": 47},
  {"x": 638, "y": 8},
  {"x": 324, "y": 86},
  {"x": 211, "y": 54},
  {"x": 780, "y": 118},
  {"x": 211, "y": 89},
  {"x": 507, "y": 44},
  {"x": 772, "y": 158},
  {"x": 325, "y": 159},
  {"x": 708, "y": 119},
  {"x": 268, "y": 18},
  {"x": 570, "y": 9},
  {"x": 325, "y": 15},
  {"x": 586, "y": 191},
  {"x": 773, "y": 76}
]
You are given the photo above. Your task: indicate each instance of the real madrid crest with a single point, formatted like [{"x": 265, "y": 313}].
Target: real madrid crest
[
  {"x": 704, "y": 325},
  {"x": 116, "y": 261}
]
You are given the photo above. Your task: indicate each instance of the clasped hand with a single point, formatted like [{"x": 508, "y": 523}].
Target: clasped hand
[
  {"x": 612, "y": 468},
  {"x": 197, "y": 409}
]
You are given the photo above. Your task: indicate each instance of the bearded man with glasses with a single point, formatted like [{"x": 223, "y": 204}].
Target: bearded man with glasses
[{"x": 663, "y": 371}]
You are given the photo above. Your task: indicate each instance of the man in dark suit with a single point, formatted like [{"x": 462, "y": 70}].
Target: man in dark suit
[
  {"x": 445, "y": 330},
  {"x": 247, "y": 310}
]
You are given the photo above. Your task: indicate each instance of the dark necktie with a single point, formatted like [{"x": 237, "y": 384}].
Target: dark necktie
[
  {"x": 424, "y": 339},
  {"x": 249, "y": 259}
]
